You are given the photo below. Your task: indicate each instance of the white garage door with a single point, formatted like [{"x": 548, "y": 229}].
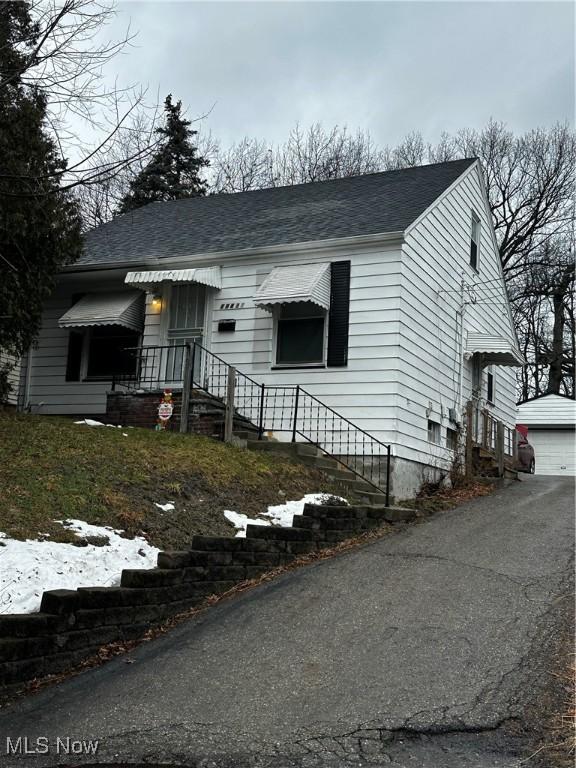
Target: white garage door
[{"x": 555, "y": 451}]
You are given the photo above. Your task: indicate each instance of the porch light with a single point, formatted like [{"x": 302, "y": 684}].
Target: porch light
[{"x": 157, "y": 302}]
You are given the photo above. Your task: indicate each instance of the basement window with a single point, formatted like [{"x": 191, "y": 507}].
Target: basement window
[{"x": 433, "y": 432}]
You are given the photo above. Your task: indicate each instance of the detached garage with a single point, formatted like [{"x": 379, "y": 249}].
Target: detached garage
[{"x": 551, "y": 422}]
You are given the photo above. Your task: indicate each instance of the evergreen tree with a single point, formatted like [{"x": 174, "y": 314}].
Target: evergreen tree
[
  {"x": 174, "y": 171},
  {"x": 39, "y": 224}
]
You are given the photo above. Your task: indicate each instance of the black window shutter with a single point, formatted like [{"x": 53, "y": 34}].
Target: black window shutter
[
  {"x": 75, "y": 343},
  {"x": 339, "y": 313}
]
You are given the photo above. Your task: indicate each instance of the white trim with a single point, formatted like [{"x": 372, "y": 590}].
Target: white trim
[{"x": 337, "y": 243}]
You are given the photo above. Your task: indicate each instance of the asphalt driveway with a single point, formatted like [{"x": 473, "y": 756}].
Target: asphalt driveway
[{"x": 426, "y": 648}]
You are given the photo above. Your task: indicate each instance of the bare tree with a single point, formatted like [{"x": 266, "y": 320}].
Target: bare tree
[
  {"x": 243, "y": 166},
  {"x": 63, "y": 57},
  {"x": 308, "y": 155}
]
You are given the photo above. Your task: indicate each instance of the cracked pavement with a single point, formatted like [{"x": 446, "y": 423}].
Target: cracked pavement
[{"x": 423, "y": 649}]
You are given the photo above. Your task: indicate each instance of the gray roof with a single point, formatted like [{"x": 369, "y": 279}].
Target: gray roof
[{"x": 375, "y": 203}]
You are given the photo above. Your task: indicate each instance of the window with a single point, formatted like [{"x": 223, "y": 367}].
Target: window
[
  {"x": 300, "y": 334},
  {"x": 475, "y": 242},
  {"x": 476, "y": 377},
  {"x": 490, "y": 387},
  {"x": 433, "y": 431},
  {"x": 451, "y": 439},
  {"x": 106, "y": 353},
  {"x": 100, "y": 353}
]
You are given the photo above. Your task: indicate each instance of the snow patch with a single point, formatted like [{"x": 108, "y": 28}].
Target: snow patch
[
  {"x": 168, "y": 507},
  {"x": 94, "y": 423},
  {"x": 280, "y": 514},
  {"x": 28, "y": 568}
]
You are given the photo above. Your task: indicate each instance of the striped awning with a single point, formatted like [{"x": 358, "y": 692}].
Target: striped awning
[
  {"x": 304, "y": 282},
  {"x": 125, "y": 308},
  {"x": 495, "y": 350},
  {"x": 147, "y": 280}
]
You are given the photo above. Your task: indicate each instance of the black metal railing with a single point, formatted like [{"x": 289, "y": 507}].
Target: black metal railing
[{"x": 268, "y": 408}]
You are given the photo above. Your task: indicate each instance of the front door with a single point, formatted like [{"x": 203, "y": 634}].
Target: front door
[{"x": 185, "y": 325}]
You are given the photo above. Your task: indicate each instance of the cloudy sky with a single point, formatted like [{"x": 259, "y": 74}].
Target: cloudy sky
[{"x": 389, "y": 67}]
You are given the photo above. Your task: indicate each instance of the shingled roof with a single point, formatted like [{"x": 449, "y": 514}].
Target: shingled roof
[{"x": 375, "y": 203}]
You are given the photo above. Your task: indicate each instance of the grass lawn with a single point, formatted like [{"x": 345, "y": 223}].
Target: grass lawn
[{"x": 52, "y": 469}]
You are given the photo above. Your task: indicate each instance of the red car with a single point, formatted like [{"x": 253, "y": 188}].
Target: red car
[{"x": 526, "y": 460}]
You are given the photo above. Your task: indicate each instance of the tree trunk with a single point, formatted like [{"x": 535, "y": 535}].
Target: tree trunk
[{"x": 557, "y": 356}]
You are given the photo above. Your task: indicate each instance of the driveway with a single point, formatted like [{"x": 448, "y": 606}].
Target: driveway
[{"x": 422, "y": 649}]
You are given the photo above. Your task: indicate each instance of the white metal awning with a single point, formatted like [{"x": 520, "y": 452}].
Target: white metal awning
[
  {"x": 305, "y": 282},
  {"x": 495, "y": 350},
  {"x": 125, "y": 308},
  {"x": 147, "y": 280}
]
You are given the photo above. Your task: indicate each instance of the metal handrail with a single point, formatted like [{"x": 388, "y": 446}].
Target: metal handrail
[{"x": 269, "y": 407}]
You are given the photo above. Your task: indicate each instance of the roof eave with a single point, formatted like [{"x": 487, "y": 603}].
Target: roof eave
[{"x": 332, "y": 244}]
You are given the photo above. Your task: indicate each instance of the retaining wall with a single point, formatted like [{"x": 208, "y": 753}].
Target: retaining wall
[{"x": 73, "y": 624}]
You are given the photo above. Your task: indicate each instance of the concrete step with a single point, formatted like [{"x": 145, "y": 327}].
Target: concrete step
[
  {"x": 373, "y": 497},
  {"x": 342, "y": 474},
  {"x": 297, "y": 449},
  {"x": 321, "y": 461}
]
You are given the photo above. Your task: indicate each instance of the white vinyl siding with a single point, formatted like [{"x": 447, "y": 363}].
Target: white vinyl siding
[
  {"x": 435, "y": 255},
  {"x": 49, "y": 392}
]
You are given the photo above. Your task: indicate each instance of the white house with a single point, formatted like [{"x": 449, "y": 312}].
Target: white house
[
  {"x": 551, "y": 422},
  {"x": 380, "y": 295}
]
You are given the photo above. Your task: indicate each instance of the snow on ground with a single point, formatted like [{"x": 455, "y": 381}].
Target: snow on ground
[
  {"x": 94, "y": 423},
  {"x": 168, "y": 507},
  {"x": 28, "y": 568},
  {"x": 279, "y": 514}
]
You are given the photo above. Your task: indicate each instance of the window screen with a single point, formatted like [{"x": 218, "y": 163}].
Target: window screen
[{"x": 300, "y": 338}]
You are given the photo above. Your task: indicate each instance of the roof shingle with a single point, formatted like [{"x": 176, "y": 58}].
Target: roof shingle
[{"x": 375, "y": 203}]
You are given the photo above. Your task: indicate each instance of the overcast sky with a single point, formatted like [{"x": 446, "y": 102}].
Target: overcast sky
[{"x": 389, "y": 67}]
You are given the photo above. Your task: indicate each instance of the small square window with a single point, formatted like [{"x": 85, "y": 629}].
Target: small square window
[
  {"x": 300, "y": 334},
  {"x": 475, "y": 242},
  {"x": 433, "y": 432},
  {"x": 451, "y": 439}
]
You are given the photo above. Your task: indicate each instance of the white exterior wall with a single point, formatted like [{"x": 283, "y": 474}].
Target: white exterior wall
[
  {"x": 48, "y": 391},
  {"x": 434, "y": 256},
  {"x": 363, "y": 390}
]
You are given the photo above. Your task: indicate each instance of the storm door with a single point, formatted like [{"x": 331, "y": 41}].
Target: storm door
[{"x": 185, "y": 325}]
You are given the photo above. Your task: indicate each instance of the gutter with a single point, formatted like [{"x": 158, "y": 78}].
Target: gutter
[{"x": 332, "y": 244}]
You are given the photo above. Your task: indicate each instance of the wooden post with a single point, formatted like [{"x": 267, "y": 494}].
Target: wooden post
[
  {"x": 229, "y": 418},
  {"x": 187, "y": 377},
  {"x": 500, "y": 447},
  {"x": 469, "y": 428},
  {"x": 486, "y": 437}
]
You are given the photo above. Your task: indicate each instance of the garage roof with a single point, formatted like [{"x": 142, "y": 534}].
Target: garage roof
[{"x": 548, "y": 411}]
